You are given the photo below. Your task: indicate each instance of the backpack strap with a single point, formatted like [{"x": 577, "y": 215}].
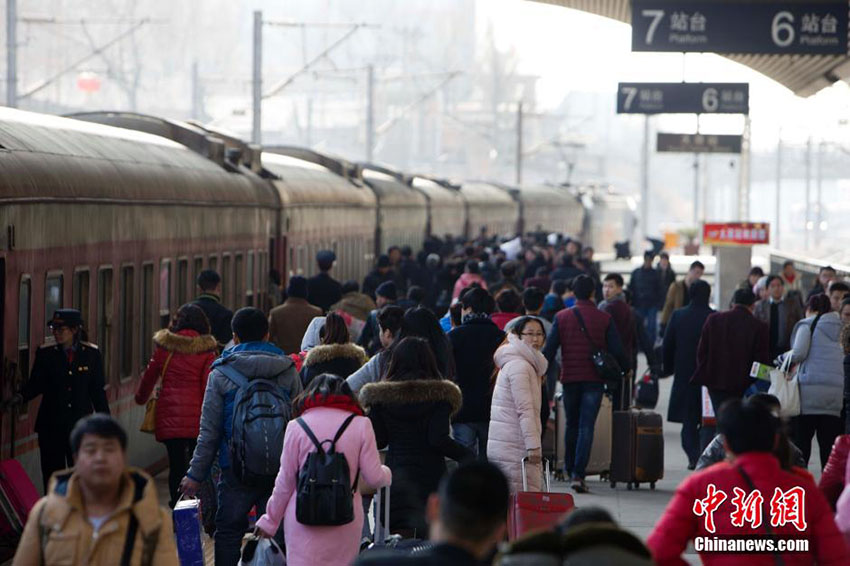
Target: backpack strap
[
  {"x": 342, "y": 428},
  {"x": 139, "y": 484},
  {"x": 233, "y": 375},
  {"x": 583, "y": 327},
  {"x": 310, "y": 435}
]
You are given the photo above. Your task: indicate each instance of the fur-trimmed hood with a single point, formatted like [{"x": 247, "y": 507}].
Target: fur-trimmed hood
[
  {"x": 328, "y": 352},
  {"x": 184, "y": 341},
  {"x": 414, "y": 391}
]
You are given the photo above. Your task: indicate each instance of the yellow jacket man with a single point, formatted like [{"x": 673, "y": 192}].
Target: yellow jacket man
[{"x": 101, "y": 512}]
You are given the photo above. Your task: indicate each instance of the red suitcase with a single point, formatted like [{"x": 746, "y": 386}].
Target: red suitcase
[
  {"x": 17, "y": 497},
  {"x": 531, "y": 510}
]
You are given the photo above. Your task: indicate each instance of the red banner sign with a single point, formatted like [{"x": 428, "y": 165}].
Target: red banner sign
[{"x": 735, "y": 233}]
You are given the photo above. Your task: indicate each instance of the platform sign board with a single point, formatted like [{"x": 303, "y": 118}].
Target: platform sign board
[
  {"x": 735, "y": 233},
  {"x": 683, "y": 98},
  {"x": 799, "y": 27},
  {"x": 698, "y": 143}
]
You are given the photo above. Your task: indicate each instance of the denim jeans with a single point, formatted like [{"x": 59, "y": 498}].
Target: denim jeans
[
  {"x": 473, "y": 436},
  {"x": 231, "y": 519},
  {"x": 650, "y": 315},
  {"x": 581, "y": 403}
]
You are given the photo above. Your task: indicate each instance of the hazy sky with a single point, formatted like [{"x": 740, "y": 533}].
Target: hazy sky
[{"x": 573, "y": 50}]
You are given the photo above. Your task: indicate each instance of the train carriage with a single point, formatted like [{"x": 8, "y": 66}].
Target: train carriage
[
  {"x": 402, "y": 212},
  {"x": 550, "y": 209},
  {"x": 324, "y": 206},
  {"x": 491, "y": 207},
  {"x": 446, "y": 207},
  {"x": 116, "y": 223}
]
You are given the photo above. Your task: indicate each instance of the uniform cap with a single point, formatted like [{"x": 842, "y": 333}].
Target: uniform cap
[{"x": 66, "y": 317}]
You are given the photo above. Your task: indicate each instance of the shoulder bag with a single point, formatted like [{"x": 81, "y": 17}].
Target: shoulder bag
[
  {"x": 149, "y": 422},
  {"x": 604, "y": 363}
]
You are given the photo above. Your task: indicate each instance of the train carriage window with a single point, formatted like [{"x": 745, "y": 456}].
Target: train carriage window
[
  {"x": 213, "y": 264},
  {"x": 52, "y": 297},
  {"x": 164, "y": 292},
  {"x": 146, "y": 338},
  {"x": 182, "y": 281},
  {"x": 225, "y": 281},
  {"x": 104, "y": 317},
  {"x": 249, "y": 280},
  {"x": 24, "y": 305},
  {"x": 239, "y": 281},
  {"x": 80, "y": 292},
  {"x": 127, "y": 321},
  {"x": 197, "y": 267}
]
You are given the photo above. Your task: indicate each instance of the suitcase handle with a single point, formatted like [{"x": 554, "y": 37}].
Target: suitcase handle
[
  {"x": 545, "y": 474},
  {"x": 382, "y": 516}
]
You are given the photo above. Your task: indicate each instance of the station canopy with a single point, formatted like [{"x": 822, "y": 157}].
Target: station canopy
[{"x": 803, "y": 74}]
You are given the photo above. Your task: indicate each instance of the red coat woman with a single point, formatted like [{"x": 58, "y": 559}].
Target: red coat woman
[{"x": 182, "y": 359}]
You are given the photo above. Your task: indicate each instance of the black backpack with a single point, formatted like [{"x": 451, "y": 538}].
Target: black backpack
[
  {"x": 261, "y": 411},
  {"x": 325, "y": 495}
]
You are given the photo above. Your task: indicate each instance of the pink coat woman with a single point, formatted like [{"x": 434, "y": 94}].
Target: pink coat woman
[
  {"x": 515, "y": 425},
  {"x": 329, "y": 546}
]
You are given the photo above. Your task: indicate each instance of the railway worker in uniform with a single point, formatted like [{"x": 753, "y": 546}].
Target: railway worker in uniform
[
  {"x": 322, "y": 289},
  {"x": 210, "y": 301},
  {"x": 68, "y": 374}
]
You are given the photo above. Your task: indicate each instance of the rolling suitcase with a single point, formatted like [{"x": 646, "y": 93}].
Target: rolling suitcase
[
  {"x": 532, "y": 510},
  {"x": 599, "y": 461},
  {"x": 554, "y": 437},
  {"x": 638, "y": 442},
  {"x": 384, "y": 542},
  {"x": 17, "y": 497}
]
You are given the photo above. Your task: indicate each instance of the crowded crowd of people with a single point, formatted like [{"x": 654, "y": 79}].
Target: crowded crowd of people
[{"x": 437, "y": 376}]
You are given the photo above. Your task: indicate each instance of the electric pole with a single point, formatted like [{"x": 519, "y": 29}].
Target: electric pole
[
  {"x": 11, "y": 54},
  {"x": 644, "y": 181},
  {"x": 519, "y": 143},
  {"x": 370, "y": 113},
  {"x": 257, "y": 82}
]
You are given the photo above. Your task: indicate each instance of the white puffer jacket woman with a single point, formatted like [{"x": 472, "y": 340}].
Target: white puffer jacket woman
[{"x": 515, "y": 430}]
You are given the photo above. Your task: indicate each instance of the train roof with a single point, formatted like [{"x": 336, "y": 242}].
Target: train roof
[
  {"x": 46, "y": 157},
  {"x": 390, "y": 186},
  {"x": 309, "y": 181},
  {"x": 437, "y": 191},
  {"x": 487, "y": 193},
  {"x": 542, "y": 195}
]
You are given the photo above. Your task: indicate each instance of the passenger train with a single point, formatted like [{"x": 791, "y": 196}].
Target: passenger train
[{"x": 115, "y": 214}]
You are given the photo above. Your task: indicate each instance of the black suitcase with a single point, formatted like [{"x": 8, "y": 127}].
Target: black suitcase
[{"x": 638, "y": 448}]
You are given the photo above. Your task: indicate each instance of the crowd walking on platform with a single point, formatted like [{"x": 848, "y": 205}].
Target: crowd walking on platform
[{"x": 440, "y": 389}]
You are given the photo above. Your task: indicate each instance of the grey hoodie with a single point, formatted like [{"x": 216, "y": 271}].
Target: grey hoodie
[
  {"x": 821, "y": 371},
  {"x": 265, "y": 361},
  {"x": 370, "y": 372}
]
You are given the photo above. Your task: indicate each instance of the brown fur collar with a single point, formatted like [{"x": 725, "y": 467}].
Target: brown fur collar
[
  {"x": 184, "y": 344},
  {"x": 415, "y": 391},
  {"x": 327, "y": 352}
]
